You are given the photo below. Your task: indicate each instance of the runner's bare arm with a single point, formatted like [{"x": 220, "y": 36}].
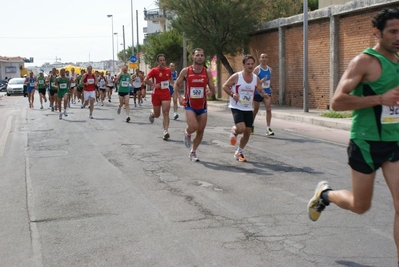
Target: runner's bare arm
[
  {"x": 227, "y": 86},
  {"x": 260, "y": 89},
  {"x": 210, "y": 82},
  {"x": 359, "y": 70}
]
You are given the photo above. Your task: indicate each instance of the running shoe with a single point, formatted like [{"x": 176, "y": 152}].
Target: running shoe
[
  {"x": 151, "y": 118},
  {"x": 252, "y": 129},
  {"x": 52, "y": 109},
  {"x": 65, "y": 113},
  {"x": 135, "y": 105},
  {"x": 193, "y": 156},
  {"x": 140, "y": 103},
  {"x": 118, "y": 111},
  {"x": 109, "y": 100},
  {"x": 233, "y": 138},
  {"x": 316, "y": 204},
  {"x": 83, "y": 106},
  {"x": 187, "y": 140},
  {"x": 45, "y": 99},
  {"x": 102, "y": 103},
  {"x": 239, "y": 156},
  {"x": 269, "y": 132},
  {"x": 175, "y": 116},
  {"x": 41, "y": 107},
  {"x": 166, "y": 135},
  {"x": 127, "y": 119},
  {"x": 60, "y": 116},
  {"x": 68, "y": 105},
  {"x": 91, "y": 116}
]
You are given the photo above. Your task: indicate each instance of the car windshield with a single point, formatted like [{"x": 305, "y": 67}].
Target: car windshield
[{"x": 17, "y": 81}]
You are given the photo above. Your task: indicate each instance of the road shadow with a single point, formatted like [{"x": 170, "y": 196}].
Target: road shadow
[
  {"x": 297, "y": 140},
  {"x": 352, "y": 264},
  {"x": 103, "y": 119},
  {"x": 235, "y": 169}
]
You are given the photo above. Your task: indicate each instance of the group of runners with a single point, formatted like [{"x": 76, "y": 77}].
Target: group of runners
[{"x": 369, "y": 86}]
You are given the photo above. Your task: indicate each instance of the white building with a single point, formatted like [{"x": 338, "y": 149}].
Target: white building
[{"x": 11, "y": 67}]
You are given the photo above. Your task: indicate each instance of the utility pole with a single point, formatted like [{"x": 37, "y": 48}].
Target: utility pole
[
  {"x": 124, "y": 47},
  {"x": 131, "y": 12},
  {"x": 137, "y": 36},
  {"x": 305, "y": 56}
]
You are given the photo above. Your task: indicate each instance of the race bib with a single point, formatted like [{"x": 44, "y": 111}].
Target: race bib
[
  {"x": 266, "y": 84},
  {"x": 73, "y": 84},
  {"x": 63, "y": 86},
  {"x": 52, "y": 84},
  {"x": 125, "y": 83},
  {"x": 41, "y": 82},
  {"x": 196, "y": 92},
  {"x": 389, "y": 115},
  {"x": 90, "y": 81},
  {"x": 165, "y": 85},
  {"x": 32, "y": 84},
  {"x": 245, "y": 98}
]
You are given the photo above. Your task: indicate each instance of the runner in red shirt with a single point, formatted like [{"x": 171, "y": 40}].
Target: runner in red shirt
[
  {"x": 197, "y": 79},
  {"x": 89, "y": 80},
  {"x": 159, "y": 79}
]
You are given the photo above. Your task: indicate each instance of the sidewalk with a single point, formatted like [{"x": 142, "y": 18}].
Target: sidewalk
[{"x": 298, "y": 115}]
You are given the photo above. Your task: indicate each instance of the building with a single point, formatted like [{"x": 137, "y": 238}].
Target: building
[
  {"x": 325, "y": 3},
  {"x": 12, "y": 67}
]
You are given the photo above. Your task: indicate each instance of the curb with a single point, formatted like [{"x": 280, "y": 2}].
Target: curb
[{"x": 341, "y": 124}]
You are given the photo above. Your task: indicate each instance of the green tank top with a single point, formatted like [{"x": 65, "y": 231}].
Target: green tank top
[
  {"x": 63, "y": 83},
  {"x": 378, "y": 123},
  {"x": 52, "y": 83},
  {"x": 41, "y": 82},
  {"x": 123, "y": 83}
]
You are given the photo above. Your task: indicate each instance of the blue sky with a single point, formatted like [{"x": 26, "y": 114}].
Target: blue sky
[{"x": 73, "y": 30}]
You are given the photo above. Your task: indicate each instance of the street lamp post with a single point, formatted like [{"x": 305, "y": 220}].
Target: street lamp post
[
  {"x": 117, "y": 46},
  {"x": 113, "y": 51}
]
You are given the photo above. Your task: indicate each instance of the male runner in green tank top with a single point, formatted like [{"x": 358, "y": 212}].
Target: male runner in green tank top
[
  {"x": 62, "y": 83},
  {"x": 370, "y": 87},
  {"x": 53, "y": 89},
  {"x": 123, "y": 80},
  {"x": 79, "y": 88},
  {"x": 41, "y": 85}
]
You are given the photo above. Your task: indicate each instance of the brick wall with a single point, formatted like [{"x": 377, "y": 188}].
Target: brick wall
[{"x": 355, "y": 34}]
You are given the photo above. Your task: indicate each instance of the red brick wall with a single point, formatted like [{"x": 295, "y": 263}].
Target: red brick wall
[{"x": 355, "y": 34}]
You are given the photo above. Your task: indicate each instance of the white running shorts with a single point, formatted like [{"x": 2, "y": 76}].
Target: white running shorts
[{"x": 89, "y": 94}]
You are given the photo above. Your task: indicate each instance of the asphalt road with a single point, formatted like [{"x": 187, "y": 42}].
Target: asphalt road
[{"x": 103, "y": 192}]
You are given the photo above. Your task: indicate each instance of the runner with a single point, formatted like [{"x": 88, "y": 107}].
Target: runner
[
  {"x": 53, "y": 89},
  {"x": 62, "y": 83},
  {"x": 264, "y": 73},
  {"x": 89, "y": 80},
  {"x": 137, "y": 82},
  {"x": 102, "y": 81},
  {"x": 159, "y": 79},
  {"x": 72, "y": 90},
  {"x": 123, "y": 80},
  {"x": 197, "y": 78},
  {"x": 172, "y": 67},
  {"x": 143, "y": 87},
  {"x": 79, "y": 87},
  {"x": 110, "y": 85},
  {"x": 41, "y": 85},
  {"x": 31, "y": 82},
  {"x": 241, "y": 87},
  {"x": 369, "y": 86}
]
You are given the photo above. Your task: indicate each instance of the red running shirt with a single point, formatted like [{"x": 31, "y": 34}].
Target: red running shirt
[{"x": 195, "y": 92}]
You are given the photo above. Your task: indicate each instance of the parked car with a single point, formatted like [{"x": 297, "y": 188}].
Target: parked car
[
  {"x": 15, "y": 86},
  {"x": 3, "y": 85}
]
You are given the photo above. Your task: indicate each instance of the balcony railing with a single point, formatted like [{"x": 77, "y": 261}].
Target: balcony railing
[{"x": 157, "y": 14}]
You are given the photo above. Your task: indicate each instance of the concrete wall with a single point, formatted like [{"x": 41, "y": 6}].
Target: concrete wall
[
  {"x": 335, "y": 35},
  {"x": 326, "y": 3},
  {"x": 4, "y": 64}
]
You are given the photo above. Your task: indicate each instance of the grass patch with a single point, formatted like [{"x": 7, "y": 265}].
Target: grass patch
[{"x": 337, "y": 115}]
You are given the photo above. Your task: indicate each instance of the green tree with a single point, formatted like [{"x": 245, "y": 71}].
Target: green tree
[
  {"x": 169, "y": 43},
  {"x": 124, "y": 55},
  {"x": 219, "y": 27}
]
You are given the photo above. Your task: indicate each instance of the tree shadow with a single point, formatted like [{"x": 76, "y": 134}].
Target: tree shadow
[{"x": 352, "y": 264}]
